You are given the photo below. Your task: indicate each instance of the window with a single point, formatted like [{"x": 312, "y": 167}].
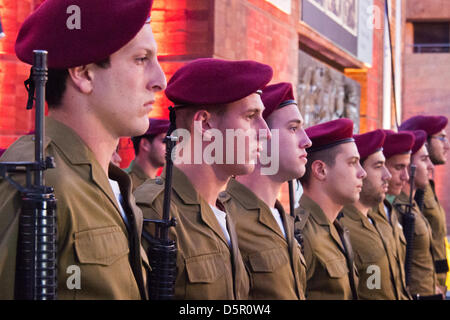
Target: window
[{"x": 431, "y": 37}]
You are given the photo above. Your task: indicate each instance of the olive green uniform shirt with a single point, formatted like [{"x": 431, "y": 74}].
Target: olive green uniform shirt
[
  {"x": 275, "y": 263},
  {"x": 423, "y": 276},
  {"x": 327, "y": 272},
  {"x": 137, "y": 175},
  {"x": 391, "y": 233},
  {"x": 435, "y": 214},
  {"x": 207, "y": 268},
  {"x": 91, "y": 233},
  {"x": 372, "y": 257}
]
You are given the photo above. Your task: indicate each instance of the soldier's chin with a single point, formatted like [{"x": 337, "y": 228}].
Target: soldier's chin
[{"x": 242, "y": 169}]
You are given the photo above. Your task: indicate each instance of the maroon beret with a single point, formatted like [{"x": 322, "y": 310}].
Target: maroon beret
[
  {"x": 105, "y": 27},
  {"x": 397, "y": 143},
  {"x": 430, "y": 124},
  {"x": 420, "y": 136},
  {"x": 277, "y": 96},
  {"x": 157, "y": 126},
  {"x": 209, "y": 81},
  {"x": 330, "y": 134},
  {"x": 370, "y": 142},
  {"x": 2, "y": 151}
]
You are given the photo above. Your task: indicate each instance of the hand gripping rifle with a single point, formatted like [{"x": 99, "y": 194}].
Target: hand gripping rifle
[
  {"x": 162, "y": 252},
  {"x": 35, "y": 277},
  {"x": 408, "y": 226}
]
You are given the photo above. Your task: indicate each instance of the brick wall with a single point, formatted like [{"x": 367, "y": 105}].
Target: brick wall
[
  {"x": 426, "y": 82},
  {"x": 15, "y": 120}
]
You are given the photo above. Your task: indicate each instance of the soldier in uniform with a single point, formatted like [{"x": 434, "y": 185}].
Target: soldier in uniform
[
  {"x": 211, "y": 97},
  {"x": 95, "y": 95},
  {"x": 380, "y": 273},
  {"x": 265, "y": 232},
  {"x": 437, "y": 146},
  {"x": 396, "y": 148},
  {"x": 150, "y": 150},
  {"x": 332, "y": 159},
  {"x": 423, "y": 281}
]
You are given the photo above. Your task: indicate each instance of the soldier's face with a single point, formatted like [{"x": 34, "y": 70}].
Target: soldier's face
[
  {"x": 424, "y": 167},
  {"x": 157, "y": 151},
  {"x": 293, "y": 141},
  {"x": 123, "y": 94},
  {"x": 376, "y": 183},
  {"x": 345, "y": 178},
  {"x": 438, "y": 147},
  {"x": 244, "y": 115},
  {"x": 398, "y": 168}
]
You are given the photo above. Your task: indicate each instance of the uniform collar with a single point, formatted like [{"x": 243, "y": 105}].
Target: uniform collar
[
  {"x": 351, "y": 212},
  {"x": 315, "y": 210},
  {"x": 244, "y": 195},
  {"x": 182, "y": 186},
  {"x": 250, "y": 201},
  {"x": 68, "y": 141},
  {"x": 137, "y": 170}
]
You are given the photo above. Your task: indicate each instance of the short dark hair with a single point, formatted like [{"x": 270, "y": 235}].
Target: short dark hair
[
  {"x": 185, "y": 114},
  {"x": 137, "y": 141},
  {"x": 56, "y": 83},
  {"x": 328, "y": 156}
]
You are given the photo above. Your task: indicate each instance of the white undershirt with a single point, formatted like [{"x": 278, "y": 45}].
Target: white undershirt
[
  {"x": 388, "y": 213},
  {"x": 221, "y": 218},
  {"x": 298, "y": 191},
  {"x": 116, "y": 189},
  {"x": 277, "y": 216}
]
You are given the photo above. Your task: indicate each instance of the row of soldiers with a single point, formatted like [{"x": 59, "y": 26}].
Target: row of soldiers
[{"x": 234, "y": 238}]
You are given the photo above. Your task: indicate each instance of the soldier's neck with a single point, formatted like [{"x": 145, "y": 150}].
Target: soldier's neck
[
  {"x": 208, "y": 180},
  {"x": 263, "y": 186},
  {"x": 326, "y": 203},
  {"x": 146, "y": 166},
  {"x": 95, "y": 136},
  {"x": 361, "y": 208}
]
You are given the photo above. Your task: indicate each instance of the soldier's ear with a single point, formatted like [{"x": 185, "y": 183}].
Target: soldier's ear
[
  {"x": 81, "y": 78},
  {"x": 202, "y": 121},
  {"x": 144, "y": 144},
  {"x": 319, "y": 170}
]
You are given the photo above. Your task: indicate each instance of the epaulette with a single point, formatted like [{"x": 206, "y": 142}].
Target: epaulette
[
  {"x": 150, "y": 190},
  {"x": 224, "y": 196},
  {"x": 301, "y": 217}
]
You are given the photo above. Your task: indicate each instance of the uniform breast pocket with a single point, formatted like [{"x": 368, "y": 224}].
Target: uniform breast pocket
[
  {"x": 268, "y": 260},
  {"x": 372, "y": 256},
  {"x": 205, "y": 269},
  {"x": 206, "y": 275},
  {"x": 102, "y": 246},
  {"x": 336, "y": 268}
]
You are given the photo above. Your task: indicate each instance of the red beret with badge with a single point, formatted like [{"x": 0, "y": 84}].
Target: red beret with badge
[
  {"x": 329, "y": 134},
  {"x": 277, "y": 96},
  {"x": 209, "y": 81},
  {"x": 79, "y": 32},
  {"x": 369, "y": 143},
  {"x": 430, "y": 124},
  {"x": 397, "y": 143}
]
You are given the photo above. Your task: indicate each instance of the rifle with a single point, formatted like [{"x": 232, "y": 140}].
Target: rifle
[
  {"x": 291, "y": 197},
  {"x": 35, "y": 277},
  {"x": 162, "y": 251},
  {"x": 408, "y": 222},
  {"x": 419, "y": 197}
]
